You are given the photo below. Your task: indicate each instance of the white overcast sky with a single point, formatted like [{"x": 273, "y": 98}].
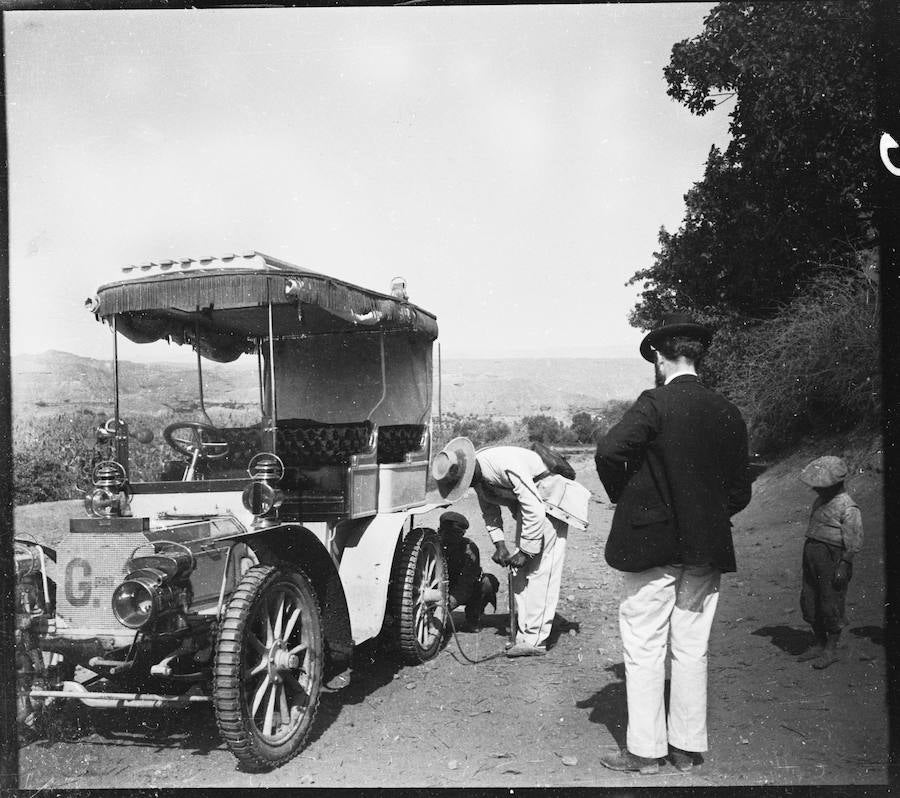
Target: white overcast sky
[{"x": 514, "y": 163}]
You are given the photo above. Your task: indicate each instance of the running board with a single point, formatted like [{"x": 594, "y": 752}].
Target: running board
[{"x": 122, "y": 700}]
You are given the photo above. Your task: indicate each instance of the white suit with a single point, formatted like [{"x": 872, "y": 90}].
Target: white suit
[{"x": 508, "y": 476}]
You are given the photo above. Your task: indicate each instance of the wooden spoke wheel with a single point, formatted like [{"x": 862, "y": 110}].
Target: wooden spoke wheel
[{"x": 268, "y": 669}]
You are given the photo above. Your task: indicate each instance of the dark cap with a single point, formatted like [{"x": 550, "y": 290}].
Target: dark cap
[{"x": 454, "y": 520}]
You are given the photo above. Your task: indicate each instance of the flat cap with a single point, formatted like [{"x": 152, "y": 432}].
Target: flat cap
[
  {"x": 454, "y": 519},
  {"x": 824, "y": 472}
]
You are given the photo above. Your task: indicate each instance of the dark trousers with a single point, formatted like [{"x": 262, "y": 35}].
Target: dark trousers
[{"x": 821, "y": 604}]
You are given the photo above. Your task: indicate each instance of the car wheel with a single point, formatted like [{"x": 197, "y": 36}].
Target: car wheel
[
  {"x": 268, "y": 667},
  {"x": 419, "y": 625}
]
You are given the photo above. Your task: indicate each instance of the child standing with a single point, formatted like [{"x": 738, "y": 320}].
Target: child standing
[{"x": 833, "y": 538}]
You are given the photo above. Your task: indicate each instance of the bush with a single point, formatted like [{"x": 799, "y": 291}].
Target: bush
[
  {"x": 584, "y": 425},
  {"x": 481, "y": 430},
  {"x": 54, "y": 457},
  {"x": 589, "y": 426},
  {"x": 814, "y": 368},
  {"x": 40, "y": 479},
  {"x": 544, "y": 429}
]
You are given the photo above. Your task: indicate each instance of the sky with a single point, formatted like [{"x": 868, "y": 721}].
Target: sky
[{"x": 513, "y": 163}]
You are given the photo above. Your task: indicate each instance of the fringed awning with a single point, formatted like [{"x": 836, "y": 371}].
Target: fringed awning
[{"x": 226, "y": 299}]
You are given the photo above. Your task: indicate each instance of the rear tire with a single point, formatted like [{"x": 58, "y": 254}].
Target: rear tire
[
  {"x": 268, "y": 667},
  {"x": 419, "y": 626}
]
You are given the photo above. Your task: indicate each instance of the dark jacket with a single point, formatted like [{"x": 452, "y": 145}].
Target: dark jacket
[
  {"x": 463, "y": 567},
  {"x": 678, "y": 457}
]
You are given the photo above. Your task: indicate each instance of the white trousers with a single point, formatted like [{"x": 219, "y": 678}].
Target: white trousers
[
  {"x": 671, "y": 606},
  {"x": 536, "y": 584}
]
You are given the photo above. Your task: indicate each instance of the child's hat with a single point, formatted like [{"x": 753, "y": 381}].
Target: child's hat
[{"x": 824, "y": 472}]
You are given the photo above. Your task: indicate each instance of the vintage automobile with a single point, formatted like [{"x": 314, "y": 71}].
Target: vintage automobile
[{"x": 241, "y": 549}]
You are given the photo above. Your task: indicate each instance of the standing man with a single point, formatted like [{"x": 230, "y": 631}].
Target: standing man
[
  {"x": 507, "y": 476},
  {"x": 677, "y": 467}
]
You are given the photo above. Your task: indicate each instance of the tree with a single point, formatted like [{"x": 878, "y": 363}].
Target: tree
[
  {"x": 583, "y": 425},
  {"x": 544, "y": 429},
  {"x": 794, "y": 187}
]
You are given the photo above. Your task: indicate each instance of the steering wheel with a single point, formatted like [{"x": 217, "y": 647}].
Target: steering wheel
[{"x": 186, "y": 437}]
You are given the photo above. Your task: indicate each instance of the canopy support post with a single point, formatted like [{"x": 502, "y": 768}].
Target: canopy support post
[
  {"x": 200, "y": 371},
  {"x": 272, "y": 373}
]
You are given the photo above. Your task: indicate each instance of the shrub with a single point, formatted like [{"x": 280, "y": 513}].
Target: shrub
[
  {"x": 40, "y": 478},
  {"x": 813, "y": 368},
  {"x": 588, "y": 426},
  {"x": 611, "y": 414},
  {"x": 54, "y": 457},
  {"x": 583, "y": 426},
  {"x": 547, "y": 429},
  {"x": 481, "y": 430}
]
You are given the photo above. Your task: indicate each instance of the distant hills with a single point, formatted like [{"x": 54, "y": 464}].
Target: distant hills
[
  {"x": 55, "y": 382},
  {"x": 553, "y": 386}
]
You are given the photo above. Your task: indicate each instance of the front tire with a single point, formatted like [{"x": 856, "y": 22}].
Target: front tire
[
  {"x": 268, "y": 668},
  {"x": 420, "y": 565}
]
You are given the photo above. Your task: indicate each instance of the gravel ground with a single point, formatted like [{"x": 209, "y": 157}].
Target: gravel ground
[{"x": 544, "y": 722}]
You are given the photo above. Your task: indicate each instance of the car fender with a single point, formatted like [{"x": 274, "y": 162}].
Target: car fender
[
  {"x": 368, "y": 546},
  {"x": 296, "y": 545}
]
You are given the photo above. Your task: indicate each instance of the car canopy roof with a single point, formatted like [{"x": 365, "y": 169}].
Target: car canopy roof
[{"x": 220, "y": 305}]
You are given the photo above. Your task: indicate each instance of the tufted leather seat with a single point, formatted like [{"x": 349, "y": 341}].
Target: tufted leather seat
[
  {"x": 304, "y": 442},
  {"x": 243, "y": 443},
  {"x": 397, "y": 440}
]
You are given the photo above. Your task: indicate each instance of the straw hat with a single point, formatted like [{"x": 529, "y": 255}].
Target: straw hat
[{"x": 453, "y": 467}]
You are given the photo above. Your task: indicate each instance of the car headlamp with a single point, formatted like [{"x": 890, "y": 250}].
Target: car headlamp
[
  {"x": 143, "y": 596},
  {"x": 155, "y": 585}
]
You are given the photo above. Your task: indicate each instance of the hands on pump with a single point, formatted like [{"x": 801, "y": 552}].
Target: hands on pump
[{"x": 502, "y": 556}]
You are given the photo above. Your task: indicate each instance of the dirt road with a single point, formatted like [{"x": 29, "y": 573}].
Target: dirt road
[{"x": 544, "y": 722}]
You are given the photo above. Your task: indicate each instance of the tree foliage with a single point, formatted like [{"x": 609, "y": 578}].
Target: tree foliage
[
  {"x": 589, "y": 426},
  {"x": 481, "y": 430},
  {"x": 547, "y": 429},
  {"x": 794, "y": 187}
]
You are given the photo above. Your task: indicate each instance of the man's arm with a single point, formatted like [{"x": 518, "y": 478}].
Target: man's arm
[
  {"x": 493, "y": 522},
  {"x": 851, "y": 536},
  {"x": 621, "y": 450},
  {"x": 851, "y": 532},
  {"x": 741, "y": 487}
]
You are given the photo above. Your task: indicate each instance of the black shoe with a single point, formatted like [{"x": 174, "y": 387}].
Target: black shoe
[
  {"x": 813, "y": 652},
  {"x": 681, "y": 760},
  {"x": 632, "y": 763}
]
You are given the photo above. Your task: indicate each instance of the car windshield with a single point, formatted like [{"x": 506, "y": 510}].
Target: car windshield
[{"x": 173, "y": 409}]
